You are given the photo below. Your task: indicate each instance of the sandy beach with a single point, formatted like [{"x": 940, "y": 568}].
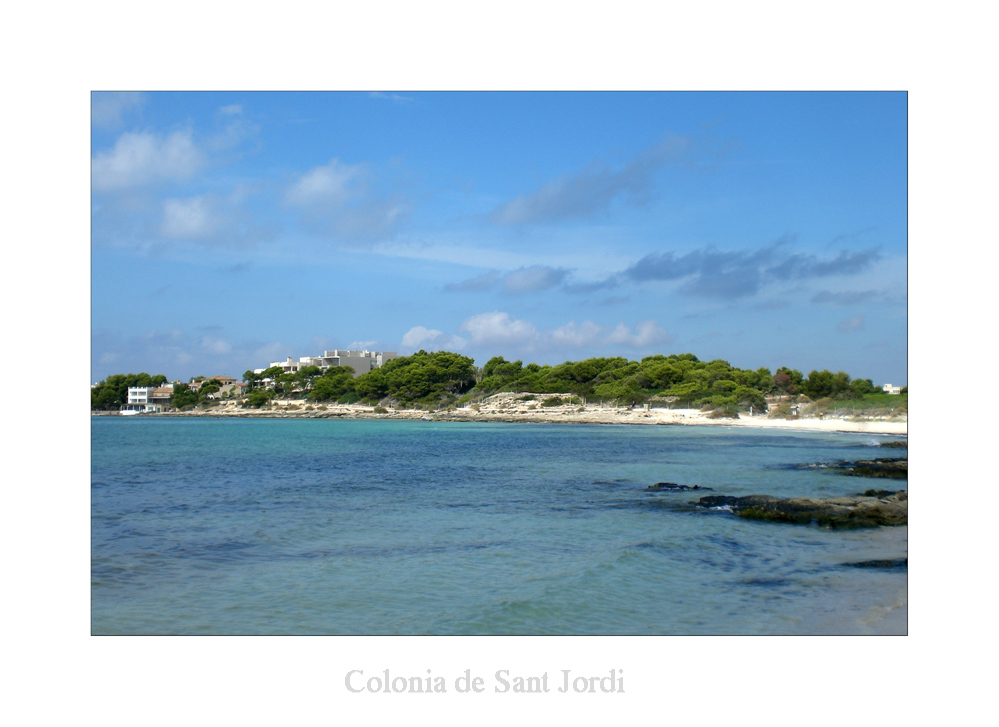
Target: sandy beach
[{"x": 506, "y": 408}]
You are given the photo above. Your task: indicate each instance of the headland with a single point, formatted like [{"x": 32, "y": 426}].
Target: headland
[{"x": 511, "y": 407}]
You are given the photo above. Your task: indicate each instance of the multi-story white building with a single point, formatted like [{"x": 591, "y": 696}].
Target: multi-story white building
[
  {"x": 361, "y": 361},
  {"x": 889, "y": 389}
]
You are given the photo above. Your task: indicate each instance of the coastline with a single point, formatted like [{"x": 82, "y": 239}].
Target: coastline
[{"x": 506, "y": 408}]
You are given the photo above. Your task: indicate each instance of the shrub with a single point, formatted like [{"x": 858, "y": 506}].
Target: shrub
[
  {"x": 380, "y": 410},
  {"x": 728, "y": 412},
  {"x": 782, "y": 411},
  {"x": 552, "y": 401}
]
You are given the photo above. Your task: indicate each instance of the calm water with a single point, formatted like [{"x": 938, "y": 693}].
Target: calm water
[{"x": 284, "y": 526}]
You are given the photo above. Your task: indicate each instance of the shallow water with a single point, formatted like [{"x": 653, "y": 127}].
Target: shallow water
[{"x": 311, "y": 526}]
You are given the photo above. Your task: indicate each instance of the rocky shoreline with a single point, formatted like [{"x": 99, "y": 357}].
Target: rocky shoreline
[{"x": 871, "y": 508}]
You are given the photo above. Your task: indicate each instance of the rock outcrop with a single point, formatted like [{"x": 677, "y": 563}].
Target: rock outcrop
[
  {"x": 860, "y": 511},
  {"x": 673, "y": 487}
]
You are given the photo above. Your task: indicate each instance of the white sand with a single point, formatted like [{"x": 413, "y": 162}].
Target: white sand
[{"x": 506, "y": 408}]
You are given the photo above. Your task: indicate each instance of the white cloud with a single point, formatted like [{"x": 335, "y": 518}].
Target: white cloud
[
  {"x": 333, "y": 184},
  {"x": 498, "y": 328},
  {"x": 362, "y": 345},
  {"x": 430, "y": 339},
  {"x": 215, "y": 345},
  {"x": 576, "y": 336},
  {"x": 646, "y": 334},
  {"x": 142, "y": 158},
  {"x": 231, "y": 110},
  {"x": 189, "y": 219},
  {"x": 335, "y": 198},
  {"x": 212, "y": 219},
  {"x": 107, "y": 108}
]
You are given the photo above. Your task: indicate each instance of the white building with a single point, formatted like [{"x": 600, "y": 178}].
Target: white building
[
  {"x": 889, "y": 389},
  {"x": 361, "y": 361}
]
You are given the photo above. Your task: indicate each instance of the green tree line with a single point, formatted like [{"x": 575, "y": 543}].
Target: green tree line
[{"x": 440, "y": 378}]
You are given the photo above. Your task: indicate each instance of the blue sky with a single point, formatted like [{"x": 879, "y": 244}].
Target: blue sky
[{"x": 230, "y": 230}]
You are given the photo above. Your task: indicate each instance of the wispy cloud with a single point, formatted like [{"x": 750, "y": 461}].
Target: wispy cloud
[
  {"x": 528, "y": 279},
  {"x": 845, "y": 297},
  {"x": 802, "y": 266},
  {"x": 849, "y": 236},
  {"x": 534, "y": 278},
  {"x": 211, "y": 219},
  {"x": 480, "y": 283},
  {"x": 734, "y": 274},
  {"x": 107, "y": 108},
  {"x": 143, "y": 158},
  {"x": 191, "y": 219},
  {"x": 706, "y": 272},
  {"x": 394, "y": 97},
  {"x": 850, "y": 324},
  {"x": 335, "y": 198},
  {"x": 165, "y": 350},
  {"x": 593, "y": 189}
]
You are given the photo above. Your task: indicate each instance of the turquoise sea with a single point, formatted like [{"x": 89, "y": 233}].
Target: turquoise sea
[{"x": 321, "y": 526}]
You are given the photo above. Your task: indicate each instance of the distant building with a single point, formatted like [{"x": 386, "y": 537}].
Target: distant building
[
  {"x": 889, "y": 389},
  {"x": 361, "y": 361},
  {"x": 148, "y": 398},
  {"x": 160, "y": 398}
]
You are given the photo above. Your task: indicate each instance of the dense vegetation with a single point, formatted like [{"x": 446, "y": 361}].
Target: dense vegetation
[
  {"x": 680, "y": 378},
  {"x": 432, "y": 380},
  {"x": 442, "y": 378},
  {"x": 421, "y": 380}
]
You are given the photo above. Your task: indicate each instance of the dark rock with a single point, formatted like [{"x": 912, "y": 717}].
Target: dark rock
[
  {"x": 835, "y": 512},
  {"x": 892, "y": 564},
  {"x": 890, "y": 467},
  {"x": 735, "y": 502},
  {"x": 897, "y": 469},
  {"x": 895, "y": 445},
  {"x": 673, "y": 487}
]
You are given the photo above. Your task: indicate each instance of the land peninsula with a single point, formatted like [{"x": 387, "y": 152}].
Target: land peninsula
[{"x": 678, "y": 389}]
